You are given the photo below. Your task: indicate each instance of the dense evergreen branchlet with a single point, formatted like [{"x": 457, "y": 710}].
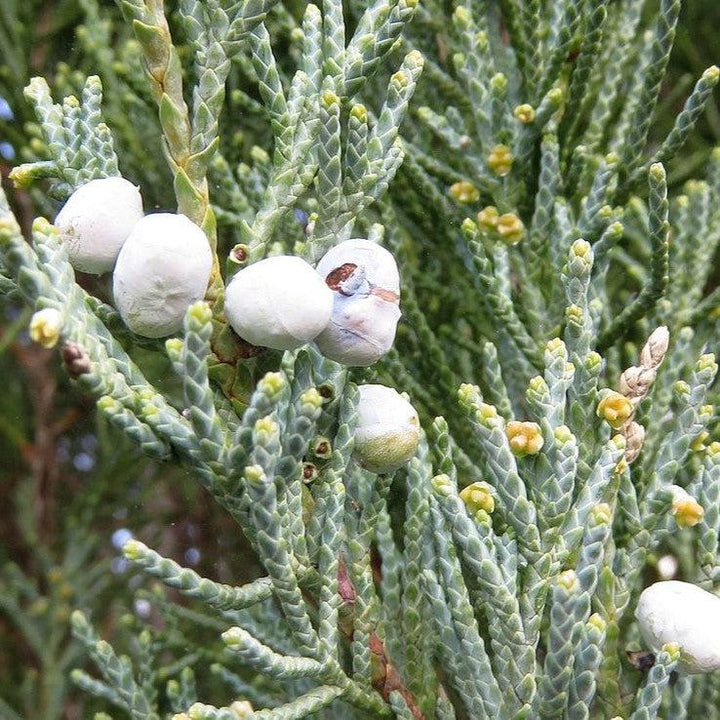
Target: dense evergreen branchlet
[{"x": 556, "y": 341}]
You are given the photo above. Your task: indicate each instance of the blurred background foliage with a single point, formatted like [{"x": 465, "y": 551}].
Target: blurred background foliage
[{"x": 72, "y": 489}]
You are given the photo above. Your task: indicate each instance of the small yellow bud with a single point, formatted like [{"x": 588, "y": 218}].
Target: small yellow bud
[
  {"x": 198, "y": 711},
  {"x": 556, "y": 96},
  {"x": 698, "y": 444},
  {"x": 45, "y": 327},
  {"x": 488, "y": 218},
  {"x": 312, "y": 397},
  {"x": 621, "y": 467},
  {"x": 581, "y": 248},
  {"x": 563, "y": 435},
  {"x": 695, "y": 186},
  {"x": 146, "y": 394},
  {"x": 712, "y": 74},
  {"x": 359, "y": 112},
  {"x": 556, "y": 347},
  {"x": 415, "y": 59},
  {"x": 149, "y": 411},
  {"x": 525, "y": 438},
  {"x": 657, "y": 172},
  {"x": 597, "y": 622},
  {"x": 538, "y": 385},
  {"x": 272, "y": 384},
  {"x": 200, "y": 312},
  {"x": 38, "y": 147},
  {"x": 399, "y": 80},
  {"x": 500, "y": 160},
  {"x": 469, "y": 228},
  {"x": 266, "y": 426},
  {"x": 259, "y": 155},
  {"x": 714, "y": 313},
  {"x": 498, "y": 84},
  {"x": 615, "y": 409},
  {"x": 510, "y": 228},
  {"x": 524, "y": 113},
  {"x": 468, "y": 394},
  {"x": 330, "y": 99},
  {"x": 706, "y": 362},
  {"x": 108, "y": 404},
  {"x": 574, "y": 314},
  {"x": 242, "y": 709},
  {"x": 478, "y": 496},
  {"x": 133, "y": 549},
  {"x": 173, "y": 347},
  {"x": 713, "y": 449},
  {"x": 462, "y": 17},
  {"x": 593, "y": 361},
  {"x": 442, "y": 484},
  {"x": 486, "y": 414},
  {"x": 464, "y": 192},
  {"x": 254, "y": 473},
  {"x": 601, "y": 514},
  {"x": 568, "y": 580},
  {"x": 686, "y": 510},
  {"x": 39, "y": 607},
  {"x": 459, "y": 60}
]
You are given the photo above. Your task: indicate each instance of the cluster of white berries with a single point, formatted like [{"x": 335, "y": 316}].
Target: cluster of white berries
[
  {"x": 349, "y": 306},
  {"x": 160, "y": 263}
]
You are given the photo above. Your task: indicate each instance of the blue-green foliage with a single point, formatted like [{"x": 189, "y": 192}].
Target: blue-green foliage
[{"x": 503, "y": 152}]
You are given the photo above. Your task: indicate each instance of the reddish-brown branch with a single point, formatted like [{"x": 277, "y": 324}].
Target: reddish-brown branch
[{"x": 386, "y": 678}]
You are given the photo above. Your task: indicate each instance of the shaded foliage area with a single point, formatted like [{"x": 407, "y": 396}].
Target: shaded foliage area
[{"x": 67, "y": 480}]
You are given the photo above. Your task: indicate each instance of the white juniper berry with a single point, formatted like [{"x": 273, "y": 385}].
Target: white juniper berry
[
  {"x": 682, "y": 613},
  {"x": 365, "y": 282},
  {"x": 387, "y": 431},
  {"x": 477, "y": 551},
  {"x": 96, "y": 221},
  {"x": 162, "y": 268},
  {"x": 279, "y": 302}
]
